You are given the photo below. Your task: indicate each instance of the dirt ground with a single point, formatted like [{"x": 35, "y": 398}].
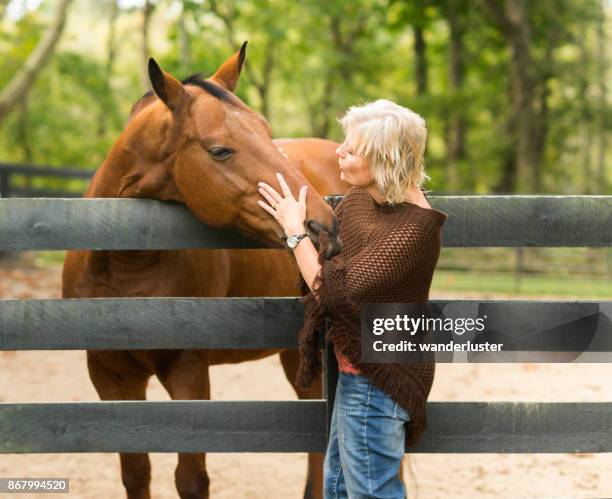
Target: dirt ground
[{"x": 36, "y": 376}]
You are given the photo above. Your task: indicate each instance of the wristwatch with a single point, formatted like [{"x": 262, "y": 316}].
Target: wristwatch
[{"x": 293, "y": 240}]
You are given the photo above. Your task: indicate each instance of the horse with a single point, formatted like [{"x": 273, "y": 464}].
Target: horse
[{"x": 195, "y": 142}]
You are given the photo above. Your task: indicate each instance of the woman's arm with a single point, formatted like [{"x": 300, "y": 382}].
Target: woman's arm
[
  {"x": 306, "y": 257},
  {"x": 290, "y": 214}
]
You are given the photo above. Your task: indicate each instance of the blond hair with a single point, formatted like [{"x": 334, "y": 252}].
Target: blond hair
[{"x": 392, "y": 139}]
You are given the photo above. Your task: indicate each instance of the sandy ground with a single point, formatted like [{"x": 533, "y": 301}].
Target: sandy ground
[{"x": 34, "y": 376}]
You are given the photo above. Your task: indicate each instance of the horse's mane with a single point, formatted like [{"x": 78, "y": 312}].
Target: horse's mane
[{"x": 194, "y": 79}]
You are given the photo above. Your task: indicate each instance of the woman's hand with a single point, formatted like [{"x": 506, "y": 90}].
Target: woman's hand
[{"x": 288, "y": 212}]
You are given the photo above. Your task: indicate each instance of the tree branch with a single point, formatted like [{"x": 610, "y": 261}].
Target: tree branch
[
  {"x": 21, "y": 83},
  {"x": 3, "y": 5}
]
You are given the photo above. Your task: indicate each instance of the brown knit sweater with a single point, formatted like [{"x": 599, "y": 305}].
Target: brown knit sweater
[{"x": 389, "y": 253}]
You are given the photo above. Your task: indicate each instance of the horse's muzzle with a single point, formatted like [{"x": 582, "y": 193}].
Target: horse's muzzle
[{"x": 314, "y": 230}]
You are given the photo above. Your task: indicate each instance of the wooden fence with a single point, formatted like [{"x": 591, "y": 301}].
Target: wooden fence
[
  {"x": 20, "y": 180},
  {"x": 8, "y": 188},
  {"x": 263, "y": 322}
]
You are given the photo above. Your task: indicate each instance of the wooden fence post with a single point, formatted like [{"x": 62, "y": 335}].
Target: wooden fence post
[
  {"x": 330, "y": 376},
  {"x": 4, "y": 184}
]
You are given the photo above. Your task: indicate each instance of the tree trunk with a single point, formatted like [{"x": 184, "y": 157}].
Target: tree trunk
[
  {"x": 515, "y": 27},
  {"x": 264, "y": 89},
  {"x": 343, "y": 41},
  {"x": 456, "y": 131},
  {"x": 147, "y": 12},
  {"x": 523, "y": 83},
  {"x": 110, "y": 59},
  {"x": 22, "y": 136},
  {"x": 540, "y": 129},
  {"x": 21, "y": 83},
  {"x": 602, "y": 181},
  {"x": 324, "y": 124},
  {"x": 420, "y": 68},
  {"x": 3, "y": 5},
  {"x": 184, "y": 42},
  {"x": 507, "y": 181},
  {"x": 585, "y": 115}
]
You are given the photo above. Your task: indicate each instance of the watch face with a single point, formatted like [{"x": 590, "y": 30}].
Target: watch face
[{"x": 293, "y": 240}]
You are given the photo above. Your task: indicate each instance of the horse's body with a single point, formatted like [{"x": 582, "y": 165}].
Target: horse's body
[{"x": 123, "y": 375}]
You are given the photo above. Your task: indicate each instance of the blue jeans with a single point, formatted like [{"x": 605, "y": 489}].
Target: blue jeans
[{"x": 366, "y": 443}]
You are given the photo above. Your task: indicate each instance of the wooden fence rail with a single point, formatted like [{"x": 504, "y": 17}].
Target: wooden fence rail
[
  {"x": 294, "y": 426},
  {"x": 238, "y": 323},
  {"x": 260, "y": 426},
  {"x": 8, "y": 170},
  {"x": 126, "y": 224}
]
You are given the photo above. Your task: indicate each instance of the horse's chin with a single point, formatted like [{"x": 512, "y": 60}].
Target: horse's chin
[
  {"x": 273, "y": 241},
  {"x": 276, "y": 243},
  {"x": 333, "y": 247}
]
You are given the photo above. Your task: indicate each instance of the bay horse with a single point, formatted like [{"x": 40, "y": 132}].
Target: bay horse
[{"x": 195, "y": 142}]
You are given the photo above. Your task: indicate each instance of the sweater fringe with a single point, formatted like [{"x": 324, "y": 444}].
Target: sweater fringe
[{"x": 314, "y": 316}]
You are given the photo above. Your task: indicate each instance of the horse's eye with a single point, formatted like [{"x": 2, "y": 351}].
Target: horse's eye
[{"x": 220, "y": 153}]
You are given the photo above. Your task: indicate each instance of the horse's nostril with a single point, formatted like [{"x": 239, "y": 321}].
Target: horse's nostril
[{"x": 314, "y": 226}]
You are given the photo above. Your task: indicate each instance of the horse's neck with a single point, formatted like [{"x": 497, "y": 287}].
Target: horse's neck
[
  {"x": 107, "y": 179},
  {"x": 121, "y": 175},
  {"x": 100, "y": 187},
  {"x": 112, "y": 175}
]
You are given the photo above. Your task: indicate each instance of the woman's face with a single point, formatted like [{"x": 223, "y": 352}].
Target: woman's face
[{"x": 354, "y": 169}]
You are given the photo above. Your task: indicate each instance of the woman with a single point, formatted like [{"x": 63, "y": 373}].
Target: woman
[{"x": 391, "y": 240}]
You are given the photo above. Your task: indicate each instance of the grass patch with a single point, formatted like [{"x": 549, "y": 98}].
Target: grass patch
[
  {"x": 579, "y": 287},
  {"x": 582, "y": 288},
  {"x": 49, "y": 258}
]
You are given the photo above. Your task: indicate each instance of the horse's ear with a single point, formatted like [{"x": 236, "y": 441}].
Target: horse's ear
[
  {"x": 228, "y": 73},
  {"x": 166, "y": 86}
]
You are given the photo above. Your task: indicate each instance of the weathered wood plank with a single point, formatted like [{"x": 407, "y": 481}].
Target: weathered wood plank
[
  {"x": 150, "y": 323},
  {"x": 294, "y": 426},
  {"x": 253, "y": 323},
  {"x": 190, "y": 426},
  {"x": 511, "y": 221},
  {"x": 124, "y": 224},
  {"x": 97, "y": 224},
  {"x": 518, "y": 427}
]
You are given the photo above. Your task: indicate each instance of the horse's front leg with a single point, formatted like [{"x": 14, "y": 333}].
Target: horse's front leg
[
  {"x": 186, "y": 377},
  {"x": 117, "y": 376}
]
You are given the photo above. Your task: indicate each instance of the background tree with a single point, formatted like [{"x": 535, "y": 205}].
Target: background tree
[
  {"x": 514, "y": 92},
  {"x": 15, "y": 91}
]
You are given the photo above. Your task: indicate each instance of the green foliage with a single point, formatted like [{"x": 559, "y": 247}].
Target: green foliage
[
  {"x": 63, "y": 115},
  {"x": 308, "y": 61}
]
